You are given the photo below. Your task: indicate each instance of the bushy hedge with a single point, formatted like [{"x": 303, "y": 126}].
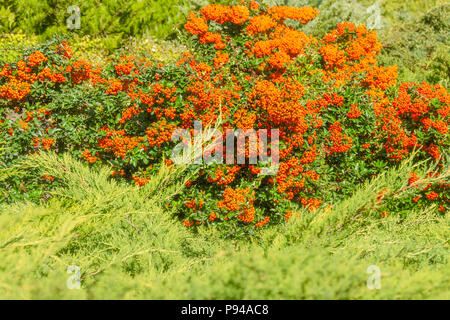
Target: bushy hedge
[
  {"x": 112, "y": 20},
  {"x": 342, "y": 118}
]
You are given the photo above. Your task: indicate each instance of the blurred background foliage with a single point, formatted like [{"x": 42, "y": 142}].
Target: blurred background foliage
[
  {"x": 110, "y": 19},
  {"x": 421, "y": 48},
  {"x": 415, "y": 33}
]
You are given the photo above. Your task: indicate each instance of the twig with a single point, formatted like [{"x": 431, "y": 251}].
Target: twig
[{"x": 133, "y": 225}]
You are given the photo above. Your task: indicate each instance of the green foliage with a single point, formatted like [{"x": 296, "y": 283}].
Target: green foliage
[
  {"x": 112, "y": 20},
  {"x": 126, "y": 240},
  {"x": 415, "y": 34},
  {"x": 94, "y": 49},
  {"x": 335, "y": 132},
  {"x": 152, "y": 48},
  {"x": 392, "y": 13},
  {"x": 407, "y": 29},
  {"x": 13, "y": 45},
  {"x": 421, "y": 47},
  {"x": 127, "y": 246}
]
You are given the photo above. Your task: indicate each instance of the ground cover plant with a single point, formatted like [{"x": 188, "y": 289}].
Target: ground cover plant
[
  {"x": 128, "y": 247},
  {"x": 86, "y": 159}
]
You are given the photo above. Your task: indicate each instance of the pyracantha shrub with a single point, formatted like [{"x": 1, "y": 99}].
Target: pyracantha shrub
[{"x": 342, "y": 118}]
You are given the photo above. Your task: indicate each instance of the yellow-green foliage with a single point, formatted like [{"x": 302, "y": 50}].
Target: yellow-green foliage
[
  {"x": 111, "y": 19},
  {"x": 150, "y": 47},
  {"x": 95, "y": 49},
  {"x": 127, "y": 246},
  {"x": 392, "y": 12},
  {"x": 12, "y": 45},
  {"x": 421, "y": 47}
]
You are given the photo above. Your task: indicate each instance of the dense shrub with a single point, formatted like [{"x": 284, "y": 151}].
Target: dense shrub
[
  {"x": 112, "y": 19},
  {"x": 415, "y": 34},
  {"x": 93, "y": 49},
  {"x": 420, "y": 47},
  {"x": 11, "y": 46},
  {"x": 342, "y": 118},
  {"x": 127, "y": 247}
]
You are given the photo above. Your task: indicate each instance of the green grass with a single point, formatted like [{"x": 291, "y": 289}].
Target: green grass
[{"x": 128, "y": 246}]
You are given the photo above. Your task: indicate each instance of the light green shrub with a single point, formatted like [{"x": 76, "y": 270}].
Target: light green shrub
[{"x": 127, "y": 247}]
